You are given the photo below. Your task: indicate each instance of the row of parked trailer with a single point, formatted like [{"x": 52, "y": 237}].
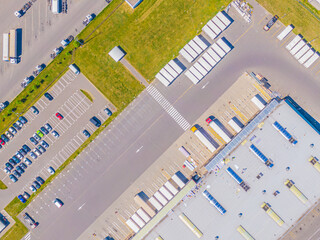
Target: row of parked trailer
[
  {"x": 301, "y": 50},
  {"x": 208, "y": 60},
  {"x": 149, "y": 207},
  {"x": 10, "y": 46},
  {"x": 217, "y": 25}
]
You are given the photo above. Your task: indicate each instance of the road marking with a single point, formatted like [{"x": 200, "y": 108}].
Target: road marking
[
  {"x": 244, "y": 33},
  {"x": 205, "y": 85},
  {"x": 175, "y": 115},
  {"x": 139, "y": 149}
]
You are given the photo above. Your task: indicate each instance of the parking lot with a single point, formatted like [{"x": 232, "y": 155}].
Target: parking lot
[{"x": 76, "y": 110}]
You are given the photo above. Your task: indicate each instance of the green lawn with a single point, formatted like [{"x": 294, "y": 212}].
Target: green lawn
[
  {"x": 2, "y": 185},
  {"x": 292, "y": 12},
  {"x": 16, "y": 232},
  {"x": 151, "y": 35}
]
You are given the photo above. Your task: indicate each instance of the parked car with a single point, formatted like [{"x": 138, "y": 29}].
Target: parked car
[
  {"x": 41, "y": 149},
  {"x": 9, "y": 166},
  {"x": 40, "y": 134},
  {"x": 26, "y": 148},
  {"x": 11, "y": 161},
  {"x": 33, "y": 188},
  {"x": 9, "y": 134},
  {"x": 30, "y": 220},
  {"x": 34, "y": 110},
  {"x": 6, "y": 170},
  {"x": 86, "y": 133},
  {"x": 55, "y": 134},
  {"x": 16, "y": 173},
  {"x": 33, "y": 141},
  {"x": 19, "y": 155},
  {"x": 37, "y": 185},
  {"x": 2, "y": 142},
  {"x": 13, "y": 178},
  {"x": 58, "y": 203},
  {"x": 59, "y": 116},
  {"x": 20, "y": 124},
  {"x": 33, "y": 155},
  {"x": 20, "y": 170},
  {"x": 23, "y": 119},
  {"x": 26, "y": 195},
  {"x": 16, "y": 159},
  {"x": 44, "y": 144},
  {"x": 16, "y": 126},
  {"x": 22, "y": 152},
  {"x": 48, "y": 127},
  {"x": 12, "y": 130},
  {"x": 95, "y": 121},
  {"x": 5, "y": 138},
  {"x": 21, "y": 198},
  {"x": 23, "y": 166},
  {"x": 51, "y": 170},
  {"x": 36, "y": 151},
  {"x": 44, "y": 130},
  {"x": 37, "y": 137},
  {"x": 48, "y": 96},
  {"x": 108, "y": 111},
  {"x": 28, "y": 161},
  {"x": 40, "y": 180}
]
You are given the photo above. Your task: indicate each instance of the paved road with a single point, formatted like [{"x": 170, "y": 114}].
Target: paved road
[
  {"x": 42, "y": 31},
  {"x": 113, "y": 157},
  {"x": 76, "y": 108}
]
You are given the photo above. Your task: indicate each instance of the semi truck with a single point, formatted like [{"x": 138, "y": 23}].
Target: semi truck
[
  {"x": 23, "y": 10},
  {"x": 6, "y": 48},
  {"x": 13, "y": 53},
  {"x": 217, "y": 126},
  {"x": 206, "y": 142}
]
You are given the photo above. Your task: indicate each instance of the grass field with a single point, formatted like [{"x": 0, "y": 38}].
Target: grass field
[
  {"x": 292, "y": 12},
  {"x": 151, "y": 35},
  {"x": 2, "y": 185}
]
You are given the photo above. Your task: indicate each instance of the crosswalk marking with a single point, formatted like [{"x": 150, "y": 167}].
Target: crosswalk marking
[
  {"x": 179, "y": 119},
  {"x": 28, "y": 236}
]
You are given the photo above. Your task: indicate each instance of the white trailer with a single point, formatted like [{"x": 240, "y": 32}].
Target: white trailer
[
  {"x": 166, "y": 75},
  {"x": 160, "y": 198},
  {"x": 170, "y": 70},
  {"x": 145, "y": 217},
  {"x": 218, "y": 50},
  {"x": 133, "y": 225},
  {"x": 258, "y": 102},
  {"x": 56, "y": 6},
  {"x": 138, "y": 220},
  {"x": 162, "y": 79},
  {"x": 293, "y": 42},
  {"x": 203, "y": 139},
  {"x": 184, "y": 151},
  {"x": 209, "y": 32},
  {"x": 192, "y": 77},
  {"x": 196, "y": 73},
  {"x": 195, "y": 47},
  {"x": 306, "y": 56},
  {"x": 201, "y": 69},
  {"x": 171, "y": 188},
  {"x": 215, "y": 125},
  {"x": 214, "y": 55},
  {"x": 220, "y": 24},
  {"x": 223, "y": 18},
  {"x": 204, "y": 64},
  {"x": 296, "y": 48},
  {"x": 221, "y": 42},
  {"x": 176, "y": 67},
  {"x": 209, "y": 59},
  {"x": 285, "y": 32},
  {"x": 214, "y": 27},
  {"x": 235, "y": 124},
  {"x": 154, "y": 202},
  {"x": 302, "y": 51},
  {"x": 200, "y": 43},
  {"x": 311, "y": 60},
  {"x": 192, "y": 52},
  {"x": 6, "y": 47},
  {"x": 178, "y": 181},
  {"x": 186, "y": 55},
  {"x": 13, "y": 51},
  {"x": 188, "y": 165},
  {"x": 166, "y": 193}
]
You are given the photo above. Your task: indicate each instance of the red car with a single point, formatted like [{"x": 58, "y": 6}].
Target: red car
[
  {"x": 58, "y": 115},
  {"x": 2, "y": 142}
]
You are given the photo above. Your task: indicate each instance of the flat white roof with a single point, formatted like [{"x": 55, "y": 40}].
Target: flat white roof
[
  {"x": 235, "y": 200},
  {"x": 117, "y": 53}
]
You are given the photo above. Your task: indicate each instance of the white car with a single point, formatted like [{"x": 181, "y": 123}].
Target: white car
[
  {"x": 55, "y": 134},
  {"x": 51, "y": 170},
  {"x": 36, "y": 151},
  {"x": 58, "y": 203}
]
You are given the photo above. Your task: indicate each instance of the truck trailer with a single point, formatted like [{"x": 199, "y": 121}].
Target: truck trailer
[
  {"x": 6, "y": 48},
  {"x": 13, "y": 53},
  {"x": 205, "y": 141}
]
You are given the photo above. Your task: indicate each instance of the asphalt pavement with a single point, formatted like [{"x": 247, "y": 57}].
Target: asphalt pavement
[
  {"x": 112, "y": 162},
  {"x": 42, "y": 31}
]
